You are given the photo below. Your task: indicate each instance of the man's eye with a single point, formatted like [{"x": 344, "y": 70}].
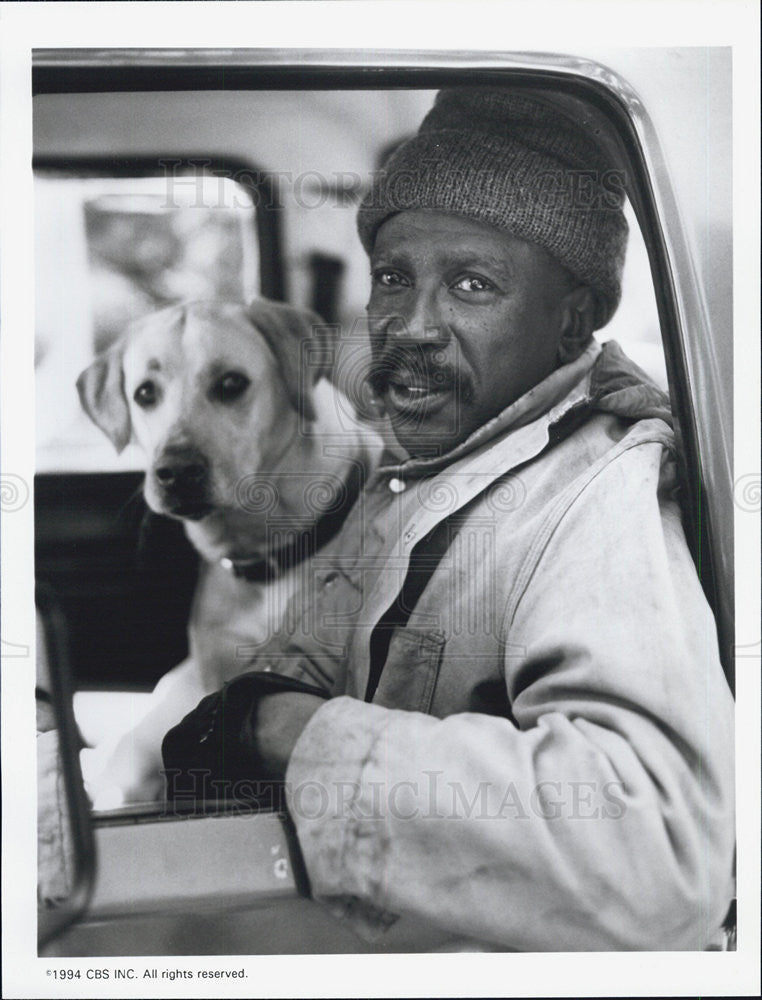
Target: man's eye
[
  {"x": 388, "y": 278},
  {"x": 146, "y": 394},
  {"x": 230, "y": 386},
  {"x": 473, "y": 283}
]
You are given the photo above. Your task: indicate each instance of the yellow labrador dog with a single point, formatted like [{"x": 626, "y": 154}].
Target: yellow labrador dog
[{"x": 261, "y": 458}]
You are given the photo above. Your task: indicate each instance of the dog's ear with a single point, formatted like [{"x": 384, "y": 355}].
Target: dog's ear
[
  {"x": 101, "y": 392},
  {"x": 300, "y": 341}
]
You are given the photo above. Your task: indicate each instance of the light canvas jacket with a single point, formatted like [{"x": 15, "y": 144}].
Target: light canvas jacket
[{"x": 546, "y": 763}]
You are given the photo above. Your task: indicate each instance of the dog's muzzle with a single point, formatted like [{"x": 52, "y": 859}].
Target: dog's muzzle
[{"x": 181, "y": 476}]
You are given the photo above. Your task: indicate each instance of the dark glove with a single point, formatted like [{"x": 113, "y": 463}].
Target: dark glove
[{"x": 211, "y": 755}]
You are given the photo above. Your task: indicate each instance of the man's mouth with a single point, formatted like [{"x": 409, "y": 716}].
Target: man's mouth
[
  {"x": 416, "y": 397},
  {"x": 413, "y": 387}
]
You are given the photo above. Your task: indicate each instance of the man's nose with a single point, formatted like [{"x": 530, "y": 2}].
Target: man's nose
[{"x": 418, "y": 322}]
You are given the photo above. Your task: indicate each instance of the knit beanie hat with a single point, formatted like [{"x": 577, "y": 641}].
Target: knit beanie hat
[{"x": 517, "y": 162}]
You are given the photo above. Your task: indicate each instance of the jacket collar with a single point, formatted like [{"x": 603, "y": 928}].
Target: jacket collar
[
  {"x": 618, "y": 385},
  {"x": 602, "y": 378},
  {"x": 570, "y": 383}
]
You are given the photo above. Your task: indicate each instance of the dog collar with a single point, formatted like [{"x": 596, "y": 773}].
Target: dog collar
[
  {"x": 258, "y": 568},
  {"x": 264, "y": 568}
]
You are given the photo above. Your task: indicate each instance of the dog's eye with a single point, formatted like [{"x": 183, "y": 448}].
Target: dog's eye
[
  {"x": 146, "y": 394},
  {"x": 230, "y": 386}
]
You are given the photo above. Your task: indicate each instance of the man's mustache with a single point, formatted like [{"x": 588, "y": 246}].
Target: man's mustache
[{"x": 411, "y": 366}]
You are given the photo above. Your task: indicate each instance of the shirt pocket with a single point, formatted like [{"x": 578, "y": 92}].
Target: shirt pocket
[{"x": 409, "y": 677}]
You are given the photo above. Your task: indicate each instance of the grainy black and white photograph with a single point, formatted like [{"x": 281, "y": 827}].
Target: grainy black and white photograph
[{"x": 382, "y": 509}]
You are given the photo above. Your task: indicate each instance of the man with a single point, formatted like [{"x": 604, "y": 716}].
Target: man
[{"x": 528, "y": 739}]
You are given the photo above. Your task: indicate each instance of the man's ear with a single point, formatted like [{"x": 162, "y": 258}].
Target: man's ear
[
  {"x": 101, "y": 392},
  {"x": 578, "y": 309},
  {"x": 300, "y": 341}
]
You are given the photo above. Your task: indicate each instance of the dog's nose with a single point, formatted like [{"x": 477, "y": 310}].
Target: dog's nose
[{"x": 181, "y": 468}]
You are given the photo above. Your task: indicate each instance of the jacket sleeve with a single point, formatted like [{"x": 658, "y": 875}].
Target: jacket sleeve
[{"x": 603, "y": 819}]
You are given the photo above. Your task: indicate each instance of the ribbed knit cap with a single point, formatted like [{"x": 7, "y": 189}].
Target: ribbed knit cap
[{"x": 519, "y": 163}]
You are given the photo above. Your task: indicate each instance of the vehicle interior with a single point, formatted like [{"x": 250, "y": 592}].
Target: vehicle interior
[{"x": 186, "y": 175}]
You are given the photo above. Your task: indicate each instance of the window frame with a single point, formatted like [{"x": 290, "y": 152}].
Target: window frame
[{"x": 703, "y": 417}]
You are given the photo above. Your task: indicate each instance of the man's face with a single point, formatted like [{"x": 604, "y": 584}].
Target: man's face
[{"x": 463, "y": 320}]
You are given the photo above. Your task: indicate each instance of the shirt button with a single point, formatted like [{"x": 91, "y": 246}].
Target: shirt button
[{"x": 396, "y": 485}]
